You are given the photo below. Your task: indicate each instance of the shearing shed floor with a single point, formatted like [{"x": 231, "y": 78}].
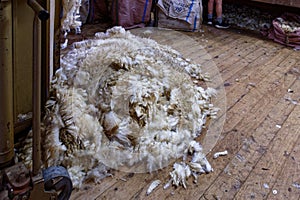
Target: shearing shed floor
[{"x": 262, "y": 128}]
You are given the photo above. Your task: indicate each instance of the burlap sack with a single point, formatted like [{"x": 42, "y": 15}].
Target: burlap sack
[{"x": 131, "y": 14}]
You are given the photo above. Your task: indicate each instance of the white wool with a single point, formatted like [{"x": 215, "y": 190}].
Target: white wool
[{"x": 180, "y": 174}]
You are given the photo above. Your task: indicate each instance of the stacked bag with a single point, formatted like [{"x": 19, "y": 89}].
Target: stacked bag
[{"x": 174, "y": 14}]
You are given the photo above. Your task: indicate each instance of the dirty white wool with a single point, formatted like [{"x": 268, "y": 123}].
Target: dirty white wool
[
  {"x": 120, "y": 100},
  {"x": 70, "y": 18}
]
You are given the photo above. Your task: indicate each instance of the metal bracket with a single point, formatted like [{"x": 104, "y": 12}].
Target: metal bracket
[
  {"x": 18, "y": 180},
  {"x": 57, "y": 178}
]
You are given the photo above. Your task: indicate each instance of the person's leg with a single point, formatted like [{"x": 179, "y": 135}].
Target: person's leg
[
  {"x": 220, "y": 23},
  {"x": 219, "y": 10},
  {"x": 210, "y": 8}
]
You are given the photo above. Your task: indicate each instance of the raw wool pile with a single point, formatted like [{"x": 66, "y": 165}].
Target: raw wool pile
[
  {"x": 124, "y": 102},
  {"x": 246, "y": 17}
]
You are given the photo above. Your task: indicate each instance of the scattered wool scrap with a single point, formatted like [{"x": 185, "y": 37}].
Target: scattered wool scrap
[
  {"x": 152, "y": 186},
  {"x": 296, "y": 185},
  {"x": 182, "y": 171},
  {"x": 278, "y": 126},
  {"x": 180, "y": 174},
  {"x": 288, "y": 98},
  {"x": 222, "y": 153},
  {"x": 168, "y": 184}
]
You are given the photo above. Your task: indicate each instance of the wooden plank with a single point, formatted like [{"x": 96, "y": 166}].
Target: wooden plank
[
  {"x": 270, "y": 165},
  {"x": 245, "y": 72},
  {"x": 93, "y": 190},
  {"x": 246, "y": 102},
  {"x": 209, "y": 36},
  {"x": 233, "y": 58},
  {"x": 220, "y": 45},
  {"x": 254, "y": 141},
  {"x": 224, "y": 54},
  {"x": 254, "y": 64},
  {"x": 288, "y": 182},
  {"x": 224, "y": 49},
  {"x": 236, "y": 95},
  {"x": 218, "y": 39},
  {"x": 234, "y": 64},
  {"x": 253, "y": 45},
  {"x": 136, "y": 186}
]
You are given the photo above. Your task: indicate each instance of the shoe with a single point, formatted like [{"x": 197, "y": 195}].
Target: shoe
[
  {"x": 222, "y": 25},
  {"x": 209, "y": 22}
]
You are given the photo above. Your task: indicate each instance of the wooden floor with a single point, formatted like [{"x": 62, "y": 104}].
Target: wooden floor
[{"x": 262, "y": 122}]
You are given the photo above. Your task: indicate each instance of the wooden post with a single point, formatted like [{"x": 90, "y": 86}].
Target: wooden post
[{"x": 6, "y": 84}]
